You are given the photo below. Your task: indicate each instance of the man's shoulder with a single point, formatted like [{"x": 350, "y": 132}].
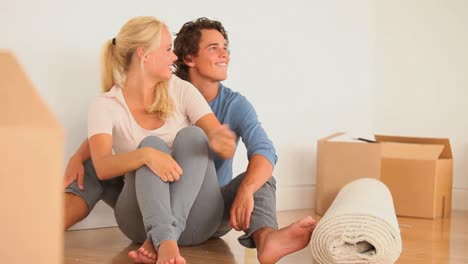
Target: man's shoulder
[{"x": 232, "y": 97}]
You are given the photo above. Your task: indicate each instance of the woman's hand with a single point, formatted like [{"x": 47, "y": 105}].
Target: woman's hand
[
  {"x": 223, "y": 141},
  {"x": 74, "y": 171},
  {"x": 220, "y": 137},
  {"x": 163, "y": 165}
]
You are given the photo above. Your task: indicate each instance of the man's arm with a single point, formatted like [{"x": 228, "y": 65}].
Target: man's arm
[
  {"x": 75, "y": 169},
  {"x": 258, "y": 172},
  {"x": 262, "y": 158},
  {"x": 83, "y": 152}
]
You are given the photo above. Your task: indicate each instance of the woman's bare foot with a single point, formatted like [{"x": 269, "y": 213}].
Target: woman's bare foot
[
  {"x": 145, "y": 254},
  {"x": 168, "y": 253},
  {"x": 272, "y": 244}
]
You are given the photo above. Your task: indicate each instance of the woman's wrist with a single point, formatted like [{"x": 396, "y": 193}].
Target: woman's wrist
[{"x": 143, "y": 155}]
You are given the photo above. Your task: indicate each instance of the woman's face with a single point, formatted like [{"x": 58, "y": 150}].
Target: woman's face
[{"x": 158, "y": 62}]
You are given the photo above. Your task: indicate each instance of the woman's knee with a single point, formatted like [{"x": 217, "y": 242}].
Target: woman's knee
[
  {"x": 154, "y": 142},
  {"x": 191, "y": 135}
]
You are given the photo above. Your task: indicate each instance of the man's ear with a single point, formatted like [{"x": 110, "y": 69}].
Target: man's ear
[{"x": 188, "y": 60}]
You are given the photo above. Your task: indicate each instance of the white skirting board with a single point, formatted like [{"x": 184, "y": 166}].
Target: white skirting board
[
  {"x": 288, "y": 198},
  {"x": 459, "y": 198},
  {"x": 101, "y": 216},
  {"x": 294, "y": 197}
]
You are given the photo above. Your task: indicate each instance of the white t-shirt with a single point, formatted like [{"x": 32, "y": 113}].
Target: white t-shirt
[{"x": 109, "y": 114}]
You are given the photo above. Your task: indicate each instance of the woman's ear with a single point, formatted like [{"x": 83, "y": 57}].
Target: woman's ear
[
  {"x": 140, "y": 53},
  {"x": 188, "y": 60}
]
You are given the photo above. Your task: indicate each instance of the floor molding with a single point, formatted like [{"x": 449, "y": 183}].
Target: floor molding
[
  {"x": 295, "y": 197},
  {"x": 459, "y": 199},
  {"x": 101, "y": 216},
  {"x": 288, "y": 198}
]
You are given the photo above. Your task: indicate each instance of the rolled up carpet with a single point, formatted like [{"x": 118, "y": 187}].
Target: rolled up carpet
[{"x": 359, "y": 227}]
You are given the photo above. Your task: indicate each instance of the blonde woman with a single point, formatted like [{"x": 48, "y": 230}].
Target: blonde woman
[{"x": 140, "y": 127}]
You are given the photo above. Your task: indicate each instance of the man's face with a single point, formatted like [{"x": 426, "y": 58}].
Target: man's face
[{"x": 212, "y": 60}]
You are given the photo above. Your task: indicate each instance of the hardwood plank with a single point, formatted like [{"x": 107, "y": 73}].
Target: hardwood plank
[{"x": 424, "y": 241}]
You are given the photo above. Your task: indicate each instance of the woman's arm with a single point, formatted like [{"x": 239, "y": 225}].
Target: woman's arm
[
  {"x": 194, "y": 105},
  {"x": 220, "y": 137},
  {"x": 109, "y": 165}
]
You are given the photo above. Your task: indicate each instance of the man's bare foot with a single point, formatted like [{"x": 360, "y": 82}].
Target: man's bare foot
[
  {"x": 272, "y": 244},
  {"x": 168, "y": 253},
  {"x": 145, "y": 254}
]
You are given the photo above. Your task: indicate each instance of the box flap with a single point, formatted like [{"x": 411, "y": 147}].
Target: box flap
[
  {"x": 21, "y": 105},
  {"x": 447, "y": 150},
  {"x": 331, "y": 136},
  {"x": 411, "y": 151}
]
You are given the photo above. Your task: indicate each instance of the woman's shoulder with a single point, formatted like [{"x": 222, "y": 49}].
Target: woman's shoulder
[
  {"x": 181, "y": 89},
  {"x": 176, "y": 83},
  {"x": 108, "y": 99}
]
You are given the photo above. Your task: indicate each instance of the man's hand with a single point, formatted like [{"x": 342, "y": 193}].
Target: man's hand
[
  {"x": 223, "y": 142},
  {"x": 74, "y": 171},
  {"x": 241, "y": 209}
]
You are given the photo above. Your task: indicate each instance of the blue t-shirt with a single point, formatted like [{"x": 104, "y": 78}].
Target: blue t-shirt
[{"x": 235, "y": 110}]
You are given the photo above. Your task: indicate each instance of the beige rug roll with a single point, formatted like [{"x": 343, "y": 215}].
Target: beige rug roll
[{"x": 359, "y": 227}]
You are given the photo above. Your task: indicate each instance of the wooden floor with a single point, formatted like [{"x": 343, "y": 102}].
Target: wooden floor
[{"x": 424, "y": 241}]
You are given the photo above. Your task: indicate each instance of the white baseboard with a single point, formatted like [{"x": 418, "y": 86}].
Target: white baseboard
[
  {"x": 101, "y": 216},
  {"x": 460, "y": 199},
  {"x": 288, "y": 198},
  {"x": 295, "y": 197},
  {"x": 302, "y": 197}
]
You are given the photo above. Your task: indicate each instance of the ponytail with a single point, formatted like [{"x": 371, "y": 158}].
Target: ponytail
[{"x": 108, "y": 65}]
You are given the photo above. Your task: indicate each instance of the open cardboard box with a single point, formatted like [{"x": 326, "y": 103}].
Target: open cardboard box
[{"x": 418, "y": 171}]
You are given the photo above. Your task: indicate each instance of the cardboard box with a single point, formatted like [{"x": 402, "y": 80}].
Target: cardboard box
[
  {"x": 418, "y": 171},
  {"x": 32, "y": 154},
  {"x": 339, "y": 163}
]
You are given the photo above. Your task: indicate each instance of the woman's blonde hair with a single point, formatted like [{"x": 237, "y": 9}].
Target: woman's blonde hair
[{"x": 117, "y": 55}]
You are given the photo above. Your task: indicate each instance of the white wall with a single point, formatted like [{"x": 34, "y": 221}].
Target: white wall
[
  {"x": 307, "y": 66},
  {"x": 310, "y": 68},
  {"x": 422, "y": 76}
]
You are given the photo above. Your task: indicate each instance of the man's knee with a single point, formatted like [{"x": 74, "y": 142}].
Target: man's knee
[
  {"x": 271, "y": 182},
  {"x": 93, "y": 189}
]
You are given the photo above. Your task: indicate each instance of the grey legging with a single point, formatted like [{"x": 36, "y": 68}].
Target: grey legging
[
  {"x": 149, "y": 208},
  {"x": 263, "y": 215}
]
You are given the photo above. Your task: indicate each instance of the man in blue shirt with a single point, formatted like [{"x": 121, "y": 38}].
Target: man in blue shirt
[
  {"x": 249, "y": 198},
  {"x": 203, "y": 58}
]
